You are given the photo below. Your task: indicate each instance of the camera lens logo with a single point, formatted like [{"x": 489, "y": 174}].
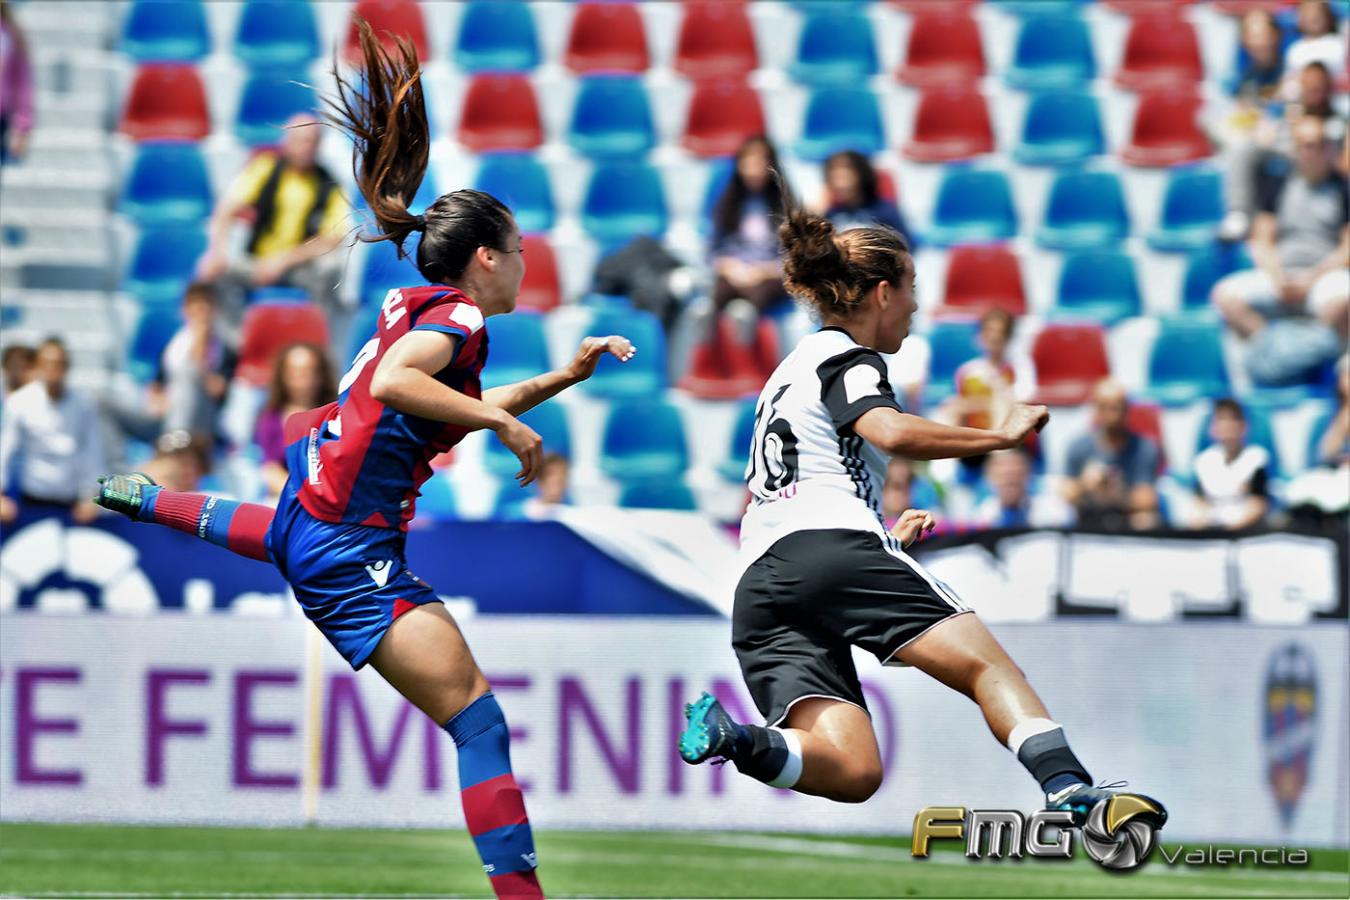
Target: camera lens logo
[{"x": 1120, "y": 831}]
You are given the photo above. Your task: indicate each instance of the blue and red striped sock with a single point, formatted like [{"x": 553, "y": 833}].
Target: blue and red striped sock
[
  {"x": 493, "y": 806},
  {"x": 240, "y": 527}
]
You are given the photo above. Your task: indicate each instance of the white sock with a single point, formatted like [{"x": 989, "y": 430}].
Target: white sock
[
  {"x": 1028, "y": 728},
  {"x": 792, "y": 769}
]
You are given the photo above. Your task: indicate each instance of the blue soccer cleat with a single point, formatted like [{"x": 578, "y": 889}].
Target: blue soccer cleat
[
  {"x": 125, "y": 494},
  {"x": 1079, "y": 799},
  {"x": 709, "y": 731}
]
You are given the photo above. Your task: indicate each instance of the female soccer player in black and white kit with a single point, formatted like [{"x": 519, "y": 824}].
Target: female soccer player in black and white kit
[{"x": 822, "y": 572}]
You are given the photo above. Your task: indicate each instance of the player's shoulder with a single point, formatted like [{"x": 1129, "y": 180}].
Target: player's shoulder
[{"x": 444, "y": 303}]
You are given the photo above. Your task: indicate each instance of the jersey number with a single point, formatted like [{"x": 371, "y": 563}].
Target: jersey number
[
  {"x": 775, "y": 450},
  {"x": 392, "y": 309}
]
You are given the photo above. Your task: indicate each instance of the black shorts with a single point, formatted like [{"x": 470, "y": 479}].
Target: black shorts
[{"x": 814, "y": 595}]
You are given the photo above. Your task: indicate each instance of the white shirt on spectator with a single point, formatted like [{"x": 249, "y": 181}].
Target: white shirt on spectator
[{"x": 55, "y": 442}]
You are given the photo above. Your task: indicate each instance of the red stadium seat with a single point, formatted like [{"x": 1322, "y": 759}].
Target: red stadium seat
[
  {"x": 389, "y": 19},
  {"x": 944, "y": 49},
  {"x": 984, "y": 277},
  {"x": 722, "y": 114},
  {"x": 1161, "y": 52},
  {"x": 724, "y": 368},
  {"x": 1166, "y": 131},
  {"x": 500, "y": 113},
  {"x": 607, "y": 37},
  {"x": 1070, "y": 359},
  {"x": 1239, "y": 8},
  {"x": 166, "y": 102},
  {"x": 540, "y": 290},
  {"x": 950, "y": 124},
  {"x": 268, "y": 328},
  {"x": 1147, "y": 7},
  {"x": 716, "y": 41}
]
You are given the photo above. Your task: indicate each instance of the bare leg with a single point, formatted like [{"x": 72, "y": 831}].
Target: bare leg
[
  {"x": 424, "y": 656},
  {"x": 840, "y": 757},
  {"x": 1237, "y": 312}
]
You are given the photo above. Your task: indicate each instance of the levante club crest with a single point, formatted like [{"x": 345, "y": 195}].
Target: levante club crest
[{"x": 1291, "y": 725}]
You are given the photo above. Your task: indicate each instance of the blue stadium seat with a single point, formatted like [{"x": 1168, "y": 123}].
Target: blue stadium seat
[
  {"x": 162, "y": 264},
  {"x": 168, "y": 183},
  {"x": 519, "y": 349},
  {"x": 1315, "y": 431},
  {"x": 643, "y": 439},
  {"x": 951, "y": 343},
  {"x": 1053, "y": 52},
  {"x": 268, "y": 99},
  {"x": 1061, "y": 128},
  {"x": 276, "y": 33},
  {"x": 497, "y": 36},
  {"x": 1024, "y": 8},
  {"x": 155, "y": 31},
  {"x": 364, "y": 324},
  {"x": 1099, "y": 285},
  {"x": 1204, "y": 268},
  {"x": 732, "y": 466},
  {"x": 1192, "y": 209},
  {"x": 1084, "y": 210},
  {"x": 841, "y": 118},
  {"x": 521, "y": 182},
  {"x": 426, "y": 195},
  {"x": 835, "y": 47},
  {"x": 974, "y": 206},
  {"x": 155, "y": 327},
  {"x": 657, "y": 493},
  {"x": 642, "y": 376},
  {"x": 624, "y": 200},
  {"x": 383, "y": 270},
  {"x": 612, "y": 118},
  {"x": 437, "y": 498},
  {"x": 548, "y": 420},
  {"x": 1186, "y": 362},
  {"x": 1259, "y": 432}
]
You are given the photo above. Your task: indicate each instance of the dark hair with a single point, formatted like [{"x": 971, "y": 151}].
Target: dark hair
[
  {"x": 17, "y": 350},
  {"x": 185, "y": 443},
  {"x": 832, "y": 271},
  {"x": 862, "y": 168},
  {"x": 52, "y": 341},
  {"x": 386, "y": 117},
  {"x": 276, "y": 385},
  {"x": 201, "y": 290},
  {"x": 727, "y": 212},
  {"x": 1231, "y": 407},
  {"x": 1001, "y": 315}
]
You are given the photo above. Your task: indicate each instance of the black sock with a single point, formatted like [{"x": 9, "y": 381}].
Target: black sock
[
  {"x": 760, "y": 752},
  {"x": 1047, "y": 757}
]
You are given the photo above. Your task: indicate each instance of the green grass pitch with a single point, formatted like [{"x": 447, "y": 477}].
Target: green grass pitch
[{"x": 91, "y": 860}]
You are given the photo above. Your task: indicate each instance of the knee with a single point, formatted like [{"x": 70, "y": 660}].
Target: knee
[{"x": 861, "y": 782}]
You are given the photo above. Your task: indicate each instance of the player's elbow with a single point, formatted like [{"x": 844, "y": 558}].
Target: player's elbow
[{"x": 385, "y": 386}]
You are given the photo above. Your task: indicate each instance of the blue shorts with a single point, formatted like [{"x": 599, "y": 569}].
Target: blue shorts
[{"x": 351, "y": 580}]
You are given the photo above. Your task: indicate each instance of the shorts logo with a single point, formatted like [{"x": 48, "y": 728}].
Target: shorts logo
[{"x": 379, "y": 572}]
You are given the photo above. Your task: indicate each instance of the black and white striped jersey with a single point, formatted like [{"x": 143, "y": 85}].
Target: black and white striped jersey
[{"x": 807, "y": 468}]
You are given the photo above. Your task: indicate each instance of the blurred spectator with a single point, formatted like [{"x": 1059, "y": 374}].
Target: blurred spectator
[
  {"x": 549, "y": 491},
  {"x": 195, "y": 368},
  {"x": 905, "y": 489},
  {"x": 1230, "y": 474},
  {"x": 17, "y": 366},
  {"x": 1012, "y": 504},
  {"x": 1258, "y": 79},
  {"x": 1317, "y": 42},
  {"x": 745, "y": 233},
  {"x": 181, "y": 460},
  {"x": 1111, "y": 469},
  {"x": 298, "y": 215},
  {"x": 1333, "y": 444},
  {"x": 302, "y": 378},
  {"x": 50, "y": 448},
  {"x": 1321, "y": 494},
  {"x": 16, "y": 87},
  {"x": 853, "y": 198},
  {"x": 986, "y": 385}
]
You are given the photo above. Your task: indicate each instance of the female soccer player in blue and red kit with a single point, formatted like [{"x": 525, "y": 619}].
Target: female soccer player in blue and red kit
[{"x": 355, "y": 466}]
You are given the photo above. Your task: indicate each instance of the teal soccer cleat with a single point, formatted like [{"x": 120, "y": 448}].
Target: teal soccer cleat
[
  {"x": 1079, "y": 799},
  {"x": 708, "y": 733}
]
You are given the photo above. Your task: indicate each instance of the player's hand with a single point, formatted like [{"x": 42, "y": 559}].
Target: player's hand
[
  {"x": 588, "y": 355},
  {"x": 912, "y": 525},
  {"x": 1023, "y": 419},
  {"x": 528, "y": 447}
]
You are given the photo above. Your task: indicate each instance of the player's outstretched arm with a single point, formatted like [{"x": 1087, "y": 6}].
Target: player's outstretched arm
[
  {"x": 526, "y": 395},
  {"x": 914, "y": 437}
]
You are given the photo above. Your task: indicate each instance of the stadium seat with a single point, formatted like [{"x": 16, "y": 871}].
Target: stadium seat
[
  {"x": 643, "y": 438},
  {"x": 521, "y": 182},
  {"x": 612, "y": 118},
  {"x": 436, "y": 499},
  {"x": 607, "y": 37},
  {"x": 841, "y": 118},
  {"x": 1239, "y": 8},
  {"x": 715, "y": 41},
  {"x": 497, "y": 36},
  {"x": 500, "y": 113},
  {"x": 835, "y": 47},
  {"x": 154, "y": 329},
  {"x": 155, "y": 31},
  {"x": 1316, "y": 429},
  {"x": 624, "y": 200},
  {"x": 162, "y": 264},
  {"x": 642, "y": 376},
  {"x": 1204, "y": 268},
  {"x": 168, "y": 183},
  {"x": 166, "y": 102},
  {"x": 1099, "y": 285},
  {"x": 1192, "y": 209},
  {"x": 268, "y": 99},
  {"x": 1070, "y": 358},
  {"x": 951, "y": 344},
  {"x": 732, "y": 466},
  {"x": 1025, "y": 8},
  {"x": 944, "y": 49},
  {"x": 722, "y": 114},
  {"x": 723, "y": 367},
  {"x": 973, "y": 206},
  {"x": 1051, "y": 53},
  {"x": 1084, "y": 209},
  {"x": 519, "y": 349},
  {"x": 1134, "y": 8},
  {"x": 383, "y": 270},
  {"x": 1061, "y": 128},
  {"x": 540, "y": 290},
  {"x": 548, "y": 421},
  {"x": 276, "y": 33},
  {"x": 268, "y": 328},
  {"x": 657, "y": 493},
  {"x": 1186, "y": 362},
  {"x": 1165, "y": 131},
  {"x": 950, "y": 124},
  {"x": 1161, "y": 52},
  {"x": 389, "y": 19},
  {"x": 980, "y": 278}
]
